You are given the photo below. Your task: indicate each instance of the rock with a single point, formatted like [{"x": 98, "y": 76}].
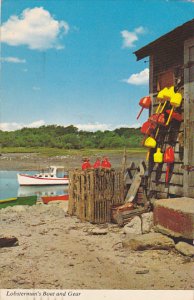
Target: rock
[
  {"x": 72, "y": 227},
  {"x": 8, "y": 241},
  {"x": 56, "y": 202},
  {"x": 71, "y": 265},
  {"x": 147, "y": 222},
  {"x": 39, "y": 203},
  {"x": 64, "y": 206},
  {"x": 18, "y": 208},
  {"x": 185, "y": 249},
  {"x": 43, "y": 232},
  {"x": 98, "y": 231},
  {"x": 153, "y": 241},
  {"x": 145, "y": 271},
  {"x": 133, "y": 227}
]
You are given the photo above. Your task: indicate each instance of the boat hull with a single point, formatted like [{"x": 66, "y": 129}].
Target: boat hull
[
  {"x": 47, "y": 199},
  {"x": 24, "y": 179},
  {"x": 29, "y": 200}
]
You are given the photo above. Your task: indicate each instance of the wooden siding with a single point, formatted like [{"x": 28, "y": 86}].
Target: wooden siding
[
  {"x": 175, "y": 67},
  {"x": 164, "y": 75},
  {"x": 189, "y": 116},
  {"x": 172, "y": 63}
]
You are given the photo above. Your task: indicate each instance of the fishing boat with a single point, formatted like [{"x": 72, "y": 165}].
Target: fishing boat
[
  {"x": 47, "y": 199},
  {"x": 54, "y": 176},
  {"x": 29, "y": 200}
]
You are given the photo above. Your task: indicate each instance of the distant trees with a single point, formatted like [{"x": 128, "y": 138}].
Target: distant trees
[{"x": 71, "y": 138}]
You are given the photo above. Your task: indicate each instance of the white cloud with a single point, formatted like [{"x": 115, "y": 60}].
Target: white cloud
[
  {"x": 35, "y": 28},
  {"x": 135, "y": 125},
  {"x": 85, "y": 127},
  {"x": 36, "y": 124},
  {"x": 93, "y": 126},
  {"x": 138, "y": 78},
  {"x": 130, "y": 37},
  {"x": 102, "y": 126},
  {"x": 15, "y": 126},
  {"x": 14, "y": 60},
  {"x": 139, "y": 30}
]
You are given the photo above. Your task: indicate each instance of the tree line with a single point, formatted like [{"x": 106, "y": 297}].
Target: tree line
[{"x": 70, "y": 137}]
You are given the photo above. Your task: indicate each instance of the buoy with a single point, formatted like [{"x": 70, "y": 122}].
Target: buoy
[
  {"x": 150, "y": 142},
  {"x": 175, "y": 101},
  {"x": 158, "y": 156},
  {"x": 164, "y": 95},
  {"x": 145, "y": 102},
  {"x": 169, "y": 159}
]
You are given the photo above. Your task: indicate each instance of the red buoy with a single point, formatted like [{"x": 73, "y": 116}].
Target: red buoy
[{"x": 145, "y": 102}]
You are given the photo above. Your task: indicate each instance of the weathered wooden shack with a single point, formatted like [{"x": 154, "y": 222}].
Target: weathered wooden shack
[{"x": 171, "y": 59}]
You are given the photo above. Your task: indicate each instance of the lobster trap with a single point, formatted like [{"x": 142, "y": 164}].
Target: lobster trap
[{"x": 93, "y": 192}]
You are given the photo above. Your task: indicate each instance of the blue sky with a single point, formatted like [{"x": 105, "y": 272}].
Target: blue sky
[{"x": 71, "y": 61}]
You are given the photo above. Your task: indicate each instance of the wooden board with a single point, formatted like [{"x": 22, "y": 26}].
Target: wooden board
[{"x": 135, "y": 183}]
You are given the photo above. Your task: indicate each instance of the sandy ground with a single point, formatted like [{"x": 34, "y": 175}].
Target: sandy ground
[{"x": 56, "y": 251}]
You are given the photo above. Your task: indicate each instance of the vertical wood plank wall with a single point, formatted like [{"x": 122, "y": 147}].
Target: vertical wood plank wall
[
  {"x": 178, "y": 135},
  {"x": 173, "y": 135},
  {"x": 189, "y": 116}
]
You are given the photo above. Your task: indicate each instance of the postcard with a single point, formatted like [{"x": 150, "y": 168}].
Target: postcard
[{"x": 97, "y": 181}]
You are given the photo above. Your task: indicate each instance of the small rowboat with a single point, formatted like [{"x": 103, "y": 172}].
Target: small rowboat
[
  {"x": 28, "y": 200},
  {"x": 47, "y": 199}
]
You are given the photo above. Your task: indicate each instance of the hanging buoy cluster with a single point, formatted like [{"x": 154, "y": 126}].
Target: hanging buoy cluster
[{"x": 161, "y": 117}]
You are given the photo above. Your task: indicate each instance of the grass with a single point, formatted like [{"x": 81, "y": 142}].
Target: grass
[{"x": 48, "y": 152}]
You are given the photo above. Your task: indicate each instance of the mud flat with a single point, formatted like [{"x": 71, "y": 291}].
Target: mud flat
[
  {"x": 35, "y": 161},
  {"x": 56, "y": 251}
]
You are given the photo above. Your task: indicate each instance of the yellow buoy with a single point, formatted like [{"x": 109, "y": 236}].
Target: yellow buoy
[
  {"x": 175, "y": 102},
  {"x": 158, "y": 156},
  {"x": 165, "y": 95},
  {"x": 150, "y": 142},
  {"x": 161, "y": 94}
]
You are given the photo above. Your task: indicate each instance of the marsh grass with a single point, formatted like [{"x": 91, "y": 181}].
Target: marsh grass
[{"x": 48, "y": 152}]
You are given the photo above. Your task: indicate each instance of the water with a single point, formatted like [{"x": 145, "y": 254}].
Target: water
[{"x": 9, "y": 187}]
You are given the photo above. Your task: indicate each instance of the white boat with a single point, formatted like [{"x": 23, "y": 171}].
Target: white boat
[{"x": 54, "y": 176}]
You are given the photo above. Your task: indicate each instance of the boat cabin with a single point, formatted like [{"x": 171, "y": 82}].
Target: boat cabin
[
  {"x": 53, "y": 171},
  {"x": 57, "y": 171}
]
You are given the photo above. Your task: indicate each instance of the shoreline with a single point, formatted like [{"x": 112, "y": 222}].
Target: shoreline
[{"x": 38, "y": 162}]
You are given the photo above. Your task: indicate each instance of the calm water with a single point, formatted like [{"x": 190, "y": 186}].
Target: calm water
[{"x": 9, "y": 187}]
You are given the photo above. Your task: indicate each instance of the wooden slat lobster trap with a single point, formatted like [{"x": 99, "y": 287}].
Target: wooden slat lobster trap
[{"x": 93, "y": 192}]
